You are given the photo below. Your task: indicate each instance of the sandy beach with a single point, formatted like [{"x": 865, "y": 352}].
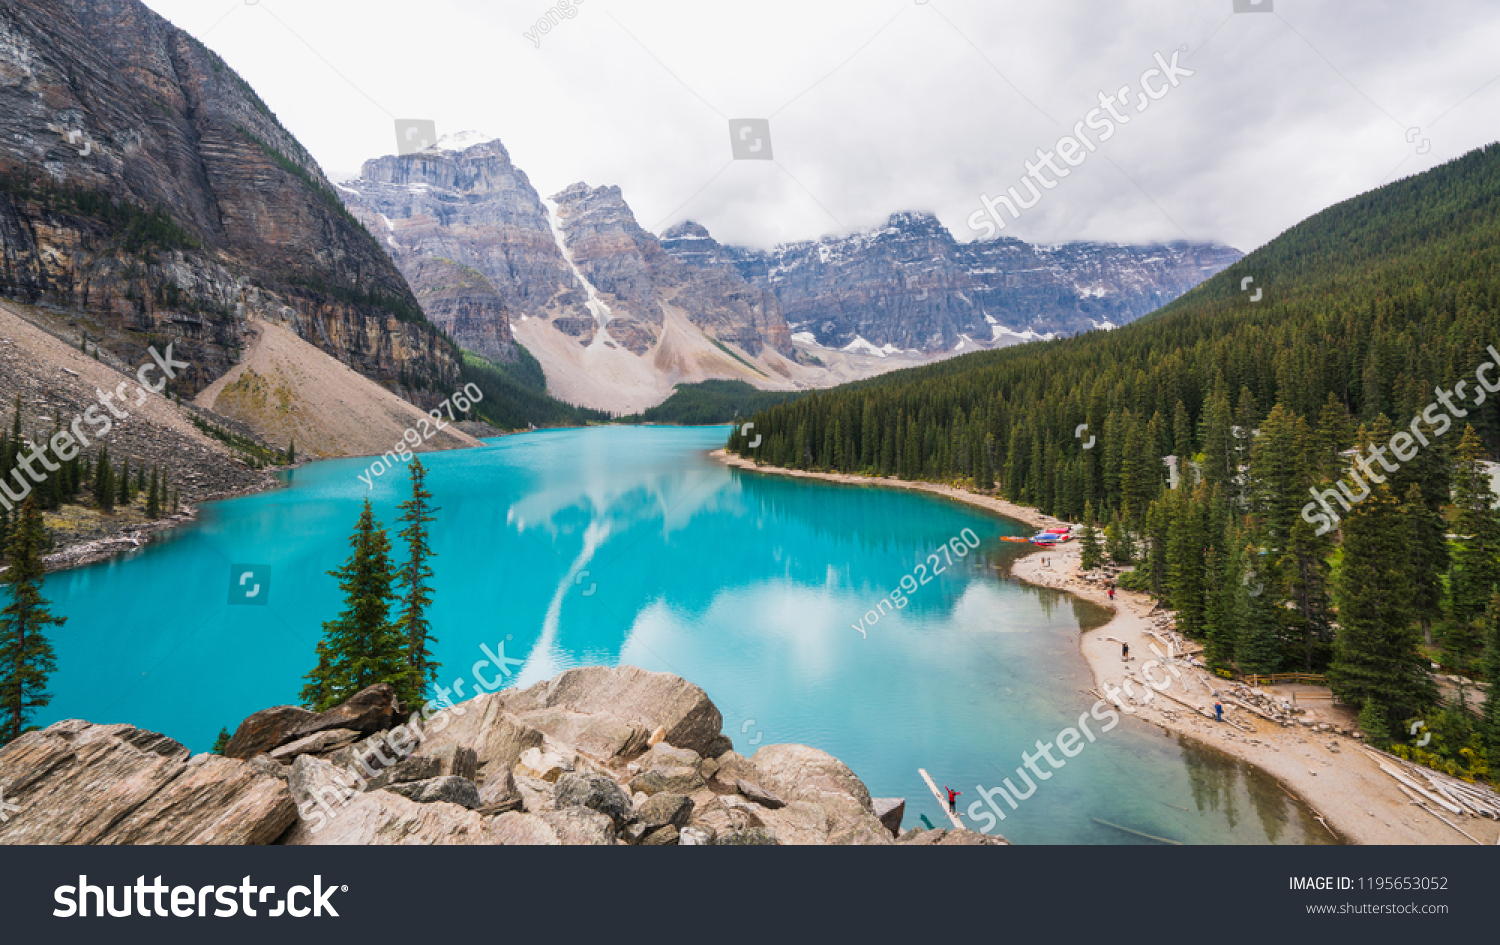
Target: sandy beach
[{"x": 1328, "y": 771}]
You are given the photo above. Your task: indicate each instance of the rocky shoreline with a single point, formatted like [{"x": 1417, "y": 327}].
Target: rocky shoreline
[{"x": 597, "y": 756}]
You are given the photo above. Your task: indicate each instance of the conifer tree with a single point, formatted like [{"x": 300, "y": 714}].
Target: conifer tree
[
  {"x": 1258, "y": 644},
  {"x": 414, "y": 591},
  {"x": 26, "y": 658},
  {"x": 153, "y": 497},
  {"x": 1222, "y": 612},
  {"x": 1117, "y": 540},
  {"x": 1157, "y": 533},
  {"x": 1335, "y": 434},
  {"x": 1475, "y": 569},
  {"x": 1489, "y": 724},
  {"x": 361, "y": 647},
  {"x": 1090, "y": 555},
  {"x": 1306, "y": 588},
  {"x": 1428, "y": 556},
  {"x": 104, "y": 482},
  {"x": 221, "y": 742},
  {"x": 1375, "y": 657},
  {"x": 1185, "y": 575},
  {"x": 1182, "y": 437},
  {"x": 122, "y": 494}
]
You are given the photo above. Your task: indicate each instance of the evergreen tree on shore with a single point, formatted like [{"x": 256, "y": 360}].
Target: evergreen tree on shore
[
  {"x": 1475, "y": 570},
  {"x": 26, "y": 659},
  {"x": 361, "y": 647},
  {"x": 1376, "y": 663},
  {"x": 1089, "y": 553},
  {"x": 412, "y": 581}
]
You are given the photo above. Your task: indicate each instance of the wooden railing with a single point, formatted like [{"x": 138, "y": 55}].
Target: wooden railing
[{"x": 1276, "y": 679}]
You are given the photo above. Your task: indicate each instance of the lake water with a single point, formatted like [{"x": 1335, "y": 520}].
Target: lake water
[{"x": 630, "y": 545}]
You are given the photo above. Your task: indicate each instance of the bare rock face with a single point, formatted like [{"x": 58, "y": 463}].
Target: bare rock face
[
  {"x": 448, "y": 789},
  {"x": 267, "y": 729},
  {"x": 636, "y": 277},
  {"x": 594, "y": 792},
  {"x": 477, "y": 244},
  {"x": 325, "y": 741},
  {"x": 912, "y": 286},
  {"x": 484, "y": 724},
  {"x": 891, "y": 811},
  {"x": 822, "y": 796},
  {"x": 114, "y": 784},
  {"x": 331, "y": 813},
  {"x": 107, "y": 113},
  {"x": 370, "y": 710},
  {"x": 632, "y": 696}
]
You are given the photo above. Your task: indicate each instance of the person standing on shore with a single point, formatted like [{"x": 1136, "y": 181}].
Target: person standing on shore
[
  {"x": 1124, "y": 651},
  {"x": 1218, "y": 711}
]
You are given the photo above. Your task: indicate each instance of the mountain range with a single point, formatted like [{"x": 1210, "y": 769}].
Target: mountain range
[{"x": 618, "y": 316}]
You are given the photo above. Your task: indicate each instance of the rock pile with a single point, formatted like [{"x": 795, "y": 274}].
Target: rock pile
[{"x": 595, "y": 756}]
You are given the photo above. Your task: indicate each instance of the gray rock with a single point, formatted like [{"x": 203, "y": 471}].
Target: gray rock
[
  {"x": 759, "y": 794},
  {"x": 444, "y": 761},
  {"x": 330, "y": 740},
  {"x": 890, "y": 811},
  {"x": 265, "y": 765},
  {"x": 718, "y": 746},
  {"x": 332, "y": 812},
  {"x": 79, "y": 783},
  {"x": 542, "y": 765},
  {"x": 633, "y": 696},
  {"x": 369, "y": 710},
  {"x": 498, "y": 793},
  {"x": 594, "y": 792},
  {"x": 695, "y": 836},
  {"x": 826, "y": 802},
  {"x": 670, "y": 780},
  {"x": 579, "y": 826},
  {"x": 663, "y": 755},
  {"x": 265, "y": 730},
  {"x": 661, "y": 837},
  {"x": 747, "y": 837},
  {"x": 460, "y": 791},
  {"x": 483, "y": 724},
  {"x": 536, "y": 796},
  {"x": 662, "y": 809},
  {"x": 520, "y": 830}
]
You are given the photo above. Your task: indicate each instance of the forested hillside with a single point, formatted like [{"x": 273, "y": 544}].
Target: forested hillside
[
  {"x": 1364, "y": 327},
  {"x": 709, "y": 402}
]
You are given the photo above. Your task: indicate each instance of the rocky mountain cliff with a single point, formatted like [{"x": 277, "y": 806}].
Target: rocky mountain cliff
[
  {"x": 613, "y": 319},
  {"x": 910, "y": 286},
  {"x": 595, "y": 756},
  {"x": 145, "y": 185}
]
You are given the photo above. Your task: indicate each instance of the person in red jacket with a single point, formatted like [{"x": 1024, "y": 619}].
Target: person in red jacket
[{"x": 952, "y": 799}]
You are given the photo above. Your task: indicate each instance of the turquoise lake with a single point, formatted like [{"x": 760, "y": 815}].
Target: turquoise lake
[{"x": 631, "y": 545}]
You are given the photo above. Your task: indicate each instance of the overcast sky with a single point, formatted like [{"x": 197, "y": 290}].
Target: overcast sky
[{"x": 884, "y": 105}]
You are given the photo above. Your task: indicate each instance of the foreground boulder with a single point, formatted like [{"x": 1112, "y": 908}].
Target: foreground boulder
[
  {"x": 75, "y": 782},
  {"x": 597, "y": 756},
  {"x": 267, "y": 730},
  {"x": 370, "y": 710}
]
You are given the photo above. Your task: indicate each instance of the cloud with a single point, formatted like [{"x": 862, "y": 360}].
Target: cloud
[{"x": 878, "y": 107}]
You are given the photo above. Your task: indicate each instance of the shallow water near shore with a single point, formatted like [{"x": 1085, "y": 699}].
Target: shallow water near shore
[{"x": 630, "y": 545}]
